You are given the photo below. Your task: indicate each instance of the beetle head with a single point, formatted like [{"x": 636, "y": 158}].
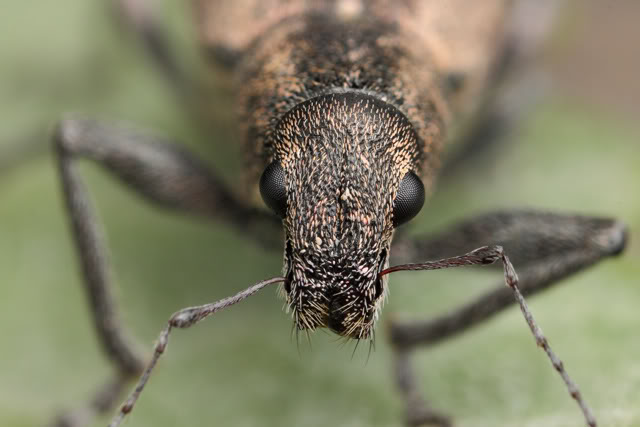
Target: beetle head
[{"x": 343, "y": 174}]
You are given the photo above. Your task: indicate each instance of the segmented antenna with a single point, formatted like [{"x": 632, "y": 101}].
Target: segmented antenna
[
  {"x": 184, "y": 318},
  {"x": 488, "y": 255}
]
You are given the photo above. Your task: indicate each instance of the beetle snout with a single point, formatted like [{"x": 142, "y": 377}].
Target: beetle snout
[
  {"x": 335, "y": 318},
  {"x": 349, "y": 318}
]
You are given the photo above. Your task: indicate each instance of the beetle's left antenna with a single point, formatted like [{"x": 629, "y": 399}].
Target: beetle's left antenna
[{"x": 184, "y": 318}]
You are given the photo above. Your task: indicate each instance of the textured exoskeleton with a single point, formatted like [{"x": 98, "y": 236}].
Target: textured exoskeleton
[
  {"x": 344, "y": 109},
  {"x": 347, "y": 98}
]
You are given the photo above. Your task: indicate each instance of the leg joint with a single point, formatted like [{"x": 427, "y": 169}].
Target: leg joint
[{"x": 66, "y": 134}]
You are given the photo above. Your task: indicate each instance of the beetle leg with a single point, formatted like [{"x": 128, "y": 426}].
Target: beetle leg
[
  {"x": 142, "y": 17},
  {"x": 163, "y": 173},
  {"x": 545, "y": 247},
  {"x": 418, "y": 410},
  {"x": 497, "y": 122}
]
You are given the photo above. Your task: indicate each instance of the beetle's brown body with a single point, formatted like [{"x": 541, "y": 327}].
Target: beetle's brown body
[
  {"x": 403, "y": 52},
  {"x": 348, "y": 97},
  {"x": 344, "y": 107}
]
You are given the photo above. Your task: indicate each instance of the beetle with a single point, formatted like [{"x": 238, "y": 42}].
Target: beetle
[{"x": 344, "y": 109}]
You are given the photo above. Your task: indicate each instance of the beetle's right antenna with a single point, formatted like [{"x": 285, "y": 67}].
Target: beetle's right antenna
[
  {"x": 184, "y": 318},
  {"x": 488, "y": 255}
]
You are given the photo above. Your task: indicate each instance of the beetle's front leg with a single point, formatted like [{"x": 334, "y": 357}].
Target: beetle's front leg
[
  {"x": 545, "y": 247},
  {"x": 161, "y": 172}
]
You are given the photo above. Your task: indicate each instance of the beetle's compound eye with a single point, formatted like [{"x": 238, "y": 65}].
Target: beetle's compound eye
[
  {"x": 409, "y": 199},
  {"x": 273, "y": 190}
]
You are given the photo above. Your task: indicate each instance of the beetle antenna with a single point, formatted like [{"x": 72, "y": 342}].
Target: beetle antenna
[
  {"x": 184, "y": 318},
  {"x": 488, "y": 255}
]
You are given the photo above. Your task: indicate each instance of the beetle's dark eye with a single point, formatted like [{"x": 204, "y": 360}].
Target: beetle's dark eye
[
  {"x": 273, "y": 190},
  {"x": 409, "y": 199}
]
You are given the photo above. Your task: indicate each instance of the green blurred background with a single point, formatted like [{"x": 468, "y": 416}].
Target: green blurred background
[{"x": 579, "y": 151}]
